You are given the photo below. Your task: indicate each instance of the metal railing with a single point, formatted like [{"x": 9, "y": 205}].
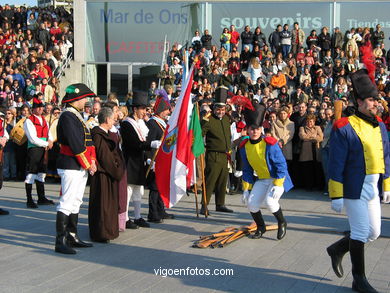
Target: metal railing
[{"x": 64, "y": 65}]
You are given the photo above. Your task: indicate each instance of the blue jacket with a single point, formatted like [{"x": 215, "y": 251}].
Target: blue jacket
[
  {"x": 275, "y": 164},
  {"x": 350, "y": 159}
]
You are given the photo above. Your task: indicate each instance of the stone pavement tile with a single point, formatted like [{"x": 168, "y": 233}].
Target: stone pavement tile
[{"x": 298, "y": 263}]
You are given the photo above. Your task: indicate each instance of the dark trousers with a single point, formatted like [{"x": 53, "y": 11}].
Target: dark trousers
[
  {"x": 156, "y": 206},
  {"x": 216, "y": 174},
  {"x": 313, "y": 177}
]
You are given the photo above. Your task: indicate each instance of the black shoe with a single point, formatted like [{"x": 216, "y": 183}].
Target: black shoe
[
  {"x": 3, "y": 212},
  {"x": 45, "y": 202},
  {"x": 31, "y": 204},
  {"x": 61, "y": 238},
  {"x": 203, "y": 211},
  {"x": 168, "y": 216},
  {"x": 336, "y": 252},
  {"x": 142, "y": 223},
  {"x": 258, "y": 234},
  {"x": 157, "y": 221},
  {"x": 223, "y": 209},
  {"x": 131, "y": 225},
  {"x": 72, "y": 236}
]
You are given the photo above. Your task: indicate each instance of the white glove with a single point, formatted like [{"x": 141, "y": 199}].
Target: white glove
[
  {"x": 155, "y": 144},
  {"x": 245, "y": 196},
  {"x": 148, "y": 161},
  {"x": 386, "y": 197},
  {"x": 337, "y": 205},
  {"x": 276, "y": 192},
  {"x": 237, "y": 174}
]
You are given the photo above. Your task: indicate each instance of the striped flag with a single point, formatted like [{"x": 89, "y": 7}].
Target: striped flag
[{"x": 175, "y": 159}]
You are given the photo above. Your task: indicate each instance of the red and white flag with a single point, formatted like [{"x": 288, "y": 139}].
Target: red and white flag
[{"x": 175, "y": 161}]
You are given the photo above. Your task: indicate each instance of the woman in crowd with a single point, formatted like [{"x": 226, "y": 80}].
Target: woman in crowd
[
  {"x": 311, "y": 136},
  {"x": 225, "y": 39},
  {"x": 255, "y": 69},
  {"x": 283, "y": 130},
  {"x": 9, "y": 160}
]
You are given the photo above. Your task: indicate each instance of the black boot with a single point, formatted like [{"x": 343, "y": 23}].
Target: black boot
[
  {"x": 73, "y": 238},
  {"x": 42, "y": 200},
  {"x": 258, "y": 218},
  {"x": 360, "y": 283},
  {"x": 61, "y": 239},
  {"x": 282, "y": 224},
  {"x": 223, "y": 209},
  {"x": 30, "y": 202},
  {"x": 336, "y": 252}
]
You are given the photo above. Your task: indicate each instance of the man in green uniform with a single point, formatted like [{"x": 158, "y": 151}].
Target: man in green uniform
[{"x": 216, "y": 129}]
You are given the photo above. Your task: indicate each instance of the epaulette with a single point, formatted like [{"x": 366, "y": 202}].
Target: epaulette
[
  {"x": 379, "y": 119},
  {"x": 270, "y": 140},
  {"x": 242, "y": 144},
  {"x": 339, "y": 123}
]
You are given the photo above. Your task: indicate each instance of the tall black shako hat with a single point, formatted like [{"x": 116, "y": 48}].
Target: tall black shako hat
[
  {"x": 363, "y": 87},
  {"x": 77, "y": 91},
  {"x": 254, "y": 118},
  {"x": 220, "y": 96},
  {"x": 140, "y": 99},
  {"x": 363, "y": 80}
]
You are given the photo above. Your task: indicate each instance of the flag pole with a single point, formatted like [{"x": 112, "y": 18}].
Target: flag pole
[
  {"x": 196, "y": 191},
  {"x": 206, "y": 210},
  {"x": 154, "y": 158}
]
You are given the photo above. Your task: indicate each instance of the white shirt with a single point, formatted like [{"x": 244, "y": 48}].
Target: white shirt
[{"x": 31, "y": 133}]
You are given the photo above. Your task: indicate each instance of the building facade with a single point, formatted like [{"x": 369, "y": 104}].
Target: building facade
[{"x": 120, "y": 42}]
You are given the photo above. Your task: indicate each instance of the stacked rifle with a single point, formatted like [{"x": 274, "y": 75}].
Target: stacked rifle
[{"x": 227, "y": 236}]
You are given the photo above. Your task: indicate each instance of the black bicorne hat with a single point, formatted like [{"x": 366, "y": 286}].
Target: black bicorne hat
[
  {"x": 363, "y": 87},
  {"x": 254, "y": 118}
]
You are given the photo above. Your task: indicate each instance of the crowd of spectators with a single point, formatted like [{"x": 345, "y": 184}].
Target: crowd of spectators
[
  {"x": 34, "y": 44},
  {"x": 297, "y": 76}
]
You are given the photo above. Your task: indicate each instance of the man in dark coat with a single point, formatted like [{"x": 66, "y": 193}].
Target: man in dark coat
[
  {"x": 216, "y": 129},
  {"x": 76, "y": 159},
  {"x": 43, "y": 36},
  {"x": 157, "y": 125},
  {"x": 104, "y": 190},
  {"x": 134, "y": 133}
]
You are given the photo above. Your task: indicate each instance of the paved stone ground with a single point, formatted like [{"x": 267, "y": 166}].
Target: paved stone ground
[{"x": 298, "y": 263}]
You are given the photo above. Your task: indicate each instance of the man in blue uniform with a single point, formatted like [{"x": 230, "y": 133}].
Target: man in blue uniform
[
  {"x": 264, "y": 156},
  {"x": 77, "y": 158},
  {"x": 359, "y": 170}
]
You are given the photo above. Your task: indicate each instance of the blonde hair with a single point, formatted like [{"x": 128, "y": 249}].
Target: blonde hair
[
  {"x": 255, "y": 63},
  {"x": 124, "y": 110}
]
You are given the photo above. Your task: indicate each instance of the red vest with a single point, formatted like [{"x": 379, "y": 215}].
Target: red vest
[{"x": 42, "y": 131}]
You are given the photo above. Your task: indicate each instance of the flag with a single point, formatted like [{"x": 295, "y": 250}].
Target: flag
[
  {"x": 175, "y": 160},
  {"x": 196, "y": 134}
]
